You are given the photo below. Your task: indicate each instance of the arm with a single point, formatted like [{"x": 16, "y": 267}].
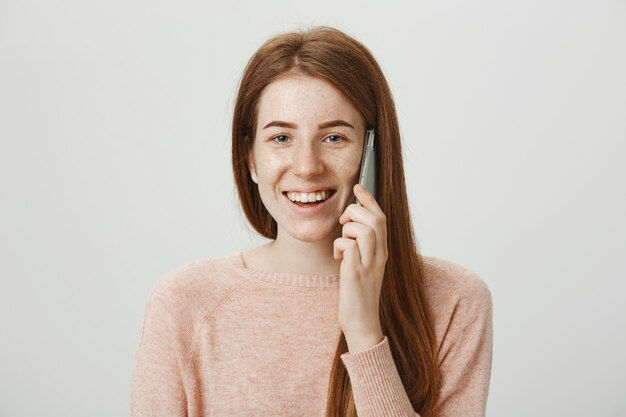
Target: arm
[
  {"x": 465, "y": 363},
  {"x": 376, "y": 384},
  {"x": 465, "y": 367},
  {"x": 157, "y": 381}
]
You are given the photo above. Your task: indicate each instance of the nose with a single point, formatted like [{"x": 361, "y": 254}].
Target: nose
[{"x": 307, "y": 161}]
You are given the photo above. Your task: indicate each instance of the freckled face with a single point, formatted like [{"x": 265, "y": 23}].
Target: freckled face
[{"x": 308, "y": 137}]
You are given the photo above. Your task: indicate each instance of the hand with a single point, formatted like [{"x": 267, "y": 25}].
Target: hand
[{"x": 363, "y": 251}]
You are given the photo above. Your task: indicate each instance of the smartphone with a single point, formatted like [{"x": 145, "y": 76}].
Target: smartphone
[{"x": 367, "y": 176}]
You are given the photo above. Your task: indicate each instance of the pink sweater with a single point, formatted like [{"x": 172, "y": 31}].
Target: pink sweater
[{"x": 220, "y": 339}]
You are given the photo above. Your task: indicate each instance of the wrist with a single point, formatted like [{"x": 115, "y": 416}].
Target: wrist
[{"x": 363, "y": 341}]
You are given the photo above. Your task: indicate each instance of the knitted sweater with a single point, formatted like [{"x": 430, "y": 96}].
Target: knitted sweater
[{"x": 221, "y": 339}]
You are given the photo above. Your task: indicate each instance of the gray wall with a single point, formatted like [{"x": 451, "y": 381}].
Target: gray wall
[{"x": 114, "y": 169}]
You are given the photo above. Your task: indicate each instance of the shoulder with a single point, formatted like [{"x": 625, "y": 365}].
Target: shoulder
[
  {"x": 459, "y": 300},
  {"x": 197, "y": 286},
  {"x": 446, "y": 281},
  {"x": 183, "y": 299}
]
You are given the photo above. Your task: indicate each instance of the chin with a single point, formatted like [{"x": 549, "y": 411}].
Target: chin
[{"x": 314, "y": 234}]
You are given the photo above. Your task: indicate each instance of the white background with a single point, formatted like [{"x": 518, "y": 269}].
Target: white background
[{"x": 115, "y": 168}]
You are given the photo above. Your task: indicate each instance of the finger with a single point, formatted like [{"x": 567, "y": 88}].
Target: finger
[
  {"x": 378, "y": 222},
  {"x": 366, "y": 240},
  {"x": 366, "y": 198},
  {"x": 345, "y": 216},
  {"x": 349, "y": 253},
  {"x": 359, "y": 214}
]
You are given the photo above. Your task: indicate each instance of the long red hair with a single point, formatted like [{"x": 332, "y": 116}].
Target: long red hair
[{"x": 349, "y": 66}]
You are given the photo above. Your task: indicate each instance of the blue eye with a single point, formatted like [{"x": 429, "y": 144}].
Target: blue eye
[
  {"x": 275, "y": 139},
  {"x": 339, "y": 138}
]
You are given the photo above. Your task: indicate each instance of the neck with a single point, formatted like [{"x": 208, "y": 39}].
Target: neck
[{"x": 287, "y": 254}]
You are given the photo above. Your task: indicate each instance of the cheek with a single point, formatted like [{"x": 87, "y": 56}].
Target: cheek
[
  {"x": 349, "y": 167},
  {"x": 269, "y": 167}
]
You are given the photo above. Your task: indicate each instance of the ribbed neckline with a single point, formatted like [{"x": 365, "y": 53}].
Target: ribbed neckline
[{"x": 284, "y": 278}]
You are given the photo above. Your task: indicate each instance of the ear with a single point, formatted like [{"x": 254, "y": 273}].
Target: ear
[{"x": 251, "y": 167}]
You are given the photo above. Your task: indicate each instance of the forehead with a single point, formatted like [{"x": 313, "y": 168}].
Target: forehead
[{"x": 302, "y": 99}]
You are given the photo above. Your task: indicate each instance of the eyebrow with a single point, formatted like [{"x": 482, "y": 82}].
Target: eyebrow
[{"x": 332, "y": 123}]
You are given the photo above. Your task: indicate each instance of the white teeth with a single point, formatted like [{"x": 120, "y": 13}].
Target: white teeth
[{"x": 308, "y": 197}]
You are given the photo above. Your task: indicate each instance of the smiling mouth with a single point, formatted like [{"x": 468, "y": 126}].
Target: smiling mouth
[{"x": 309, "y": 199}]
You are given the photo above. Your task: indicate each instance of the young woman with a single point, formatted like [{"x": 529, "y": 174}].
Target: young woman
[{"x": 338, "y": 314}]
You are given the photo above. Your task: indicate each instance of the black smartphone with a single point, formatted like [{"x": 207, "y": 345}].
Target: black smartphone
[{"x": 367, "y": 176}]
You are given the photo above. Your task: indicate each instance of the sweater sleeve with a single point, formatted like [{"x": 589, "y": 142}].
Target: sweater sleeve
[
  {"x": 465, "y": 363},
  {"x": 376, "y": 384},
  {"x": 157, "y": 381},
  {"x": 465, "y": 368}
]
